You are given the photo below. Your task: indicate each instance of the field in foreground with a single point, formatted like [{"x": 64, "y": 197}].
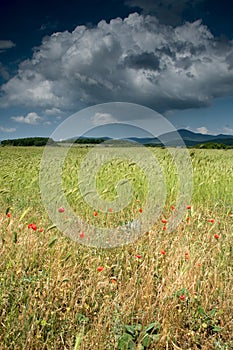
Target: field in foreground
[{"x": 168, "y": 290}]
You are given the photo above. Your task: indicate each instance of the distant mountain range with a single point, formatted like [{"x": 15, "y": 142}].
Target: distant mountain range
[{"x": 187, "y": 137}]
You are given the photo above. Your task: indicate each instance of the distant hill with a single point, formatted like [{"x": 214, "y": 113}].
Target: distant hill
[
  {"x": 188, "y": 138},
  {"x": 28, "y": 141}
]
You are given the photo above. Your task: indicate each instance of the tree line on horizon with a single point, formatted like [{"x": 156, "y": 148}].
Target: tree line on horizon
[{"x": 43, "y": 141}]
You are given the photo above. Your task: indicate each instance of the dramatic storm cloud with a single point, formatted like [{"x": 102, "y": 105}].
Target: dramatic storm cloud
[{"x": 137, "y": 59}]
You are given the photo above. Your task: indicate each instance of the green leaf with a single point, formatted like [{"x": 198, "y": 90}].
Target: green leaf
[
  {"x": 126, "y": 342},
  {"x": 216, "y": 329},
  {"x": 68, "y": 256},
  {"x": 52, "y": 242},
  {"x": 78, "y": 341},
  {"x": 146, "y": 341},
  {"x": 130, "y": 329},
  {"x": 213, "y": 312},
  {"x": 4, "y": 190},
  {"x": 7, "y": 210},
  {"x": 153, "y": 327},
  {"x": 155, "y": 337},
  {"x": 24, "y": 214},
  {"x": 15, "y": 237},
  {"x": 81, "y": 318},
  {"x": 50, "y": 228},
  {"x": 201, "y": 311}
]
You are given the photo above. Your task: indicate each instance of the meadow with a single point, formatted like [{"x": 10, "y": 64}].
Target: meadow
[{"x": 167, "y": 290}]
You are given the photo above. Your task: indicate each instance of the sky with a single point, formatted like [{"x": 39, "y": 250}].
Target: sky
[{"x": 58, "y": 58}]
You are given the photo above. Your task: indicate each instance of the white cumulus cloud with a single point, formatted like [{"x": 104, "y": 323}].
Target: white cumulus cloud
[
  {"x": 31, "y": 118},
  {"x": 203, "y": 130},
  {"x": 53, "y": 111},
  {"x": 3, "y": 129},
  {"x": 103, "y": 118},
  {"x": 228, "y": 130}
]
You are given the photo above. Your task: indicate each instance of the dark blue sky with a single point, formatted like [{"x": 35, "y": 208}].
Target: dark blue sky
[{"x": 155, "y": 55}]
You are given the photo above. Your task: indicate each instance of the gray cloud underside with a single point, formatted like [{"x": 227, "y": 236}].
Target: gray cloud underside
[
  {"x": 6, "y": 44},
  {"x": 132, "y": 60}
]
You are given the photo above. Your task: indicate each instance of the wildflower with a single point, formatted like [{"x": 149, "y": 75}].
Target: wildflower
[
  {"x": 139, "y": 256},
  {"x": 186, "y": 255},
  {"x": 188, "y": 207},
  {"x": 216, "y": 236},
  {"x": 8, "y": 215},
  {"x": 164, "y": 228},
  {"x": 61, "y": 210},
  {"x": 41, "y": 229},
  {"x": 32, "y": 226},
  {"x": 211, "y": 220},
  {"x": 95, "y": 213},
  {"x": 162, "y": 251},
  {"x": 100, "y": 268},
  {"x": 187, "y": 219},
  {"x": 172, "y": 207},
  {"x": 110, "y": 210},
  {"x": 81, "y": 235},
  {"x": 140, "y": 210},
  {"x": 164, "y": 221},
  {"x": 182, "y": 297}
]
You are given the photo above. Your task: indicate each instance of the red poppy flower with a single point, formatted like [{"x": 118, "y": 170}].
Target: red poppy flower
[
  {"x": 110, "y": 210},
  {"x": 211, "y": 220},
  {"x": 162, "y": 251},
  {"x": 140, "y": 210},
  {"x": 81, "y": 235},
  {"x": 8, "y": 215},
  {"x": 100, "y": 268},
  {"x": 172, "y": 207},
  {"x": 164, "y": 228},
  {"x": 216, "y": 236},
  {"x": 32, "y": 226},
  {"x": 95, "y": 213},
  {"x": 188, "y": 207},
  {"x": 41, "y": 229},
  {"x": 182, "y": 297},
  {"x": 139, "y": 256},
  {"x": 61, "y": 210},
  {"x": 164, "y": 221}
]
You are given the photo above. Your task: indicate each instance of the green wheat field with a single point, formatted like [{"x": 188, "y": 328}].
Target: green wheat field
[{"x": 167, "y": 290}]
